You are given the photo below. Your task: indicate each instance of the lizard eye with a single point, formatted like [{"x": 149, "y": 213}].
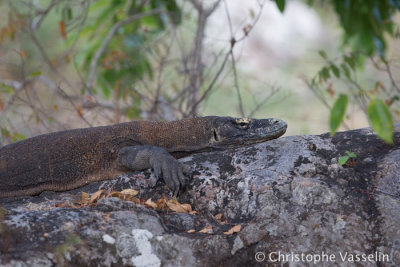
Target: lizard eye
[{"x": 242, "y": 123}]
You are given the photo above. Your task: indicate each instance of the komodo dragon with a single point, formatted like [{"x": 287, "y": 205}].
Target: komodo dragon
[{"x": 69, "y": 159}]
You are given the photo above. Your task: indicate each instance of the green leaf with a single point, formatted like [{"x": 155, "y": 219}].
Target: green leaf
[
  {"x": 174, "y": 12},
  {"x": 5, "y": 132},
  {"x": 350, "y": 61},
  {"x": 17, "y": 136},
  {"x": 67, "y": 14},
  {"x": 337, "y": 112},
  {"x": 35, "y": 74},
  {"x": 322, "y": 53},
  {"x": 150, "y": 21},
  {"x": 381, "y": 120},
  {"x": 326, "y": 73},
  {"x": 335, "y": 70},
  {"x": 6, "y": 88},
  {"x": 342, "y": 160},
  {"x": 346, "y": 70},
  {"x": 351, "y": 154},
  {"x": 280, "y": 4}
]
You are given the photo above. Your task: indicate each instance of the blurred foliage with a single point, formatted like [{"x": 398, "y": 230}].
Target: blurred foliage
[
  {"x": 124, "y": 62},
  {"x": 381, "y": 119},
  {"x": 114, "y": 46},
  {"x": 365, "y": 25},
  {"x": 118, "y": 32},
  {"x": 365, "y": 22},
  {"x": 345, "y": 69}
]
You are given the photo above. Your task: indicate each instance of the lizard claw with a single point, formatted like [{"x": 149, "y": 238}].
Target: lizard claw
[{"x": 174, "y": 173}]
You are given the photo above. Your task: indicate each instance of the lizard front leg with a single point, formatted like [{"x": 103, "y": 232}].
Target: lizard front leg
[{"x": 164, "y": 165}]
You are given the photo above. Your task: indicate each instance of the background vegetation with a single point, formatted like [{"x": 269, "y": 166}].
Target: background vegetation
[{"x": 76, "y": 63}]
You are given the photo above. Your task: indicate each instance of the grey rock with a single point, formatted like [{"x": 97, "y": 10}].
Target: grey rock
[{"x": 290, "y": 196}]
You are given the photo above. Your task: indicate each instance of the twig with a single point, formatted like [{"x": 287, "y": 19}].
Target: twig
[
  {"x": 160, "y": 72},
  {"x": 196, "y": 70},
  {"x": 262, "y": 103},
  {"x": 211, "y": 85},
  {"x": 235, "y": 76},
  {"x": 390, "y": 74},
  {"x": 16, "y": 86},
  {"x": 233, "y": 42},
  {"x": 322, "y": 99}
]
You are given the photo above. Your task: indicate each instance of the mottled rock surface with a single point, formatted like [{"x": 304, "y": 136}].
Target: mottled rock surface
[{"x": 290, "y": 196}]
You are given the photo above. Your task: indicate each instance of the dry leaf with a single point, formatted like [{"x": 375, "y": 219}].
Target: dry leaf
[
  {"x": 206, "y": 230},
  {"x": 218, "y": 217},
  {"x": 137, "y": 201},
  {"x": 174, "y": 205},
  {"x": 150, "y": 203},
  {"x": 126, "y": 195},
  {"x": 114, "y": 194},
  {"x": 63, "y": 32},
  {"x": 191, "y": 231},
  {"x": 1, "y": 105},
  {"x": 23, "y": 54},
  {"x": 330, "y": 90},
  {"x": 187, "y": 207},
  {"x": 162, "y": 203},
  {"x": 89, "y": 98},
  {"x": 84, "y": 197},
  {"x": 55, "y": 107},
  {"x": 95, "y": 196},
  {"x": 234, "y": 229},
  {"x": 63, "y": 205},
  {"x": 80, "y": 111},
  {"x": 130, "y": 192}
]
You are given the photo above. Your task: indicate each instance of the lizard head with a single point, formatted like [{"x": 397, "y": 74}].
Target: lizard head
[{"x": 227, "y": 131}]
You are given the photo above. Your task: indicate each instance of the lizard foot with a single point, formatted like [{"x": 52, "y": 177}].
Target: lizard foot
[{"x": 174, "y": 173}]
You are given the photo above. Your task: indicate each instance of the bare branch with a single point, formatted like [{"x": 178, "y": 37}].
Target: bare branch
[
  {"x": 16, "y": 86},
  {"x": 263, "y": 102},
  {"x": 388, "y": 70},
  {"x": 235, "y": 77},
  {"x": 196, "y": 69},
  {"x": 322, "y": 99},
  {"x": 233, "y": 42},
  {"x": 211, "y": 85}
]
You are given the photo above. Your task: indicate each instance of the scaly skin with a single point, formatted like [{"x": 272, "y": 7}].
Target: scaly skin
[{"x": 66, "y": 160}]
